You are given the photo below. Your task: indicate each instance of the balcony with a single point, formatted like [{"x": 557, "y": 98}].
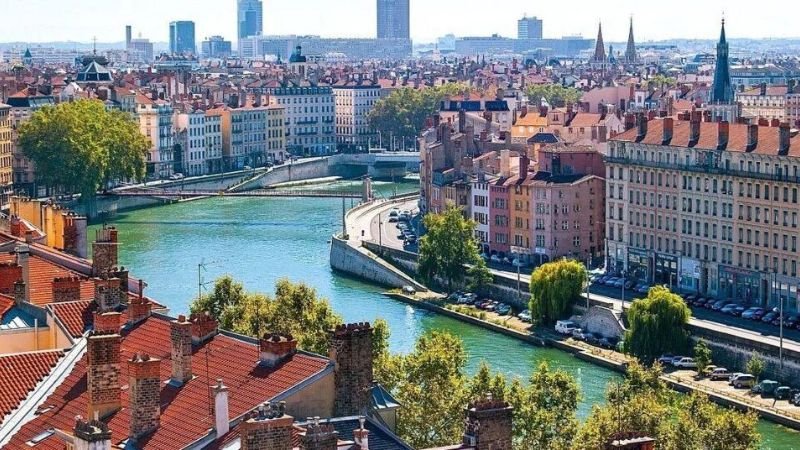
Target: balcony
[
  {"x": 306, "y": 121},
  {"x": 702, "y": 168}
]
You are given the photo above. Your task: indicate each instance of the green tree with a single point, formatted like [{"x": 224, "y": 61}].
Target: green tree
[
  {"x": 448, "y": 244},
  {"x": 294, "y": 309},
  {"x": 554, "y": 286},
  {"x": 755, "y": 366},
  {"x": 402, "y": 114},
  {"x": 702, "y": 357},
  {"x": 555, "y": 95},
  {"x": 660, "y": 81},
  {"x": 80, "y": 146},
  {"x": 657, "y": 325},
  {"x": 479, "y": 276}
]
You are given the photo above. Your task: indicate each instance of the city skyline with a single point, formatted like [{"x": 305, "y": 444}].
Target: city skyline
[{"x": 358, "y": 20}]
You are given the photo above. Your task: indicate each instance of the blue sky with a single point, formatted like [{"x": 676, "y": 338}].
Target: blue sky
[{"x": 80, "y": 20}]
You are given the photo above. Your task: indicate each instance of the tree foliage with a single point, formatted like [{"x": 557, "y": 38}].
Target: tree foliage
[
  {"x": 80, "y": 146},
  {"x": 448, "y": 244},
  {"x": 554, "y": 286},
  {"x": 702, "y": 356},
  {"x": 755, "y": 365},
  {"x": 294, "y": 309},
  {"x": 555, "y": 95},
  {"x": 657, "y": 325},
  {"x": 479, "y": 276},
  {"x": 403, "y": 113}
]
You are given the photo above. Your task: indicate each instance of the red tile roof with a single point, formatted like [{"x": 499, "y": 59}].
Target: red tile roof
[
  {"x": 42, "y": 273},
  {"x": 185, "y": 413},
  {"x": 768, "y": 137},
  {"x": 76, "y": 316},
  {"x": 26, "y": 370}
]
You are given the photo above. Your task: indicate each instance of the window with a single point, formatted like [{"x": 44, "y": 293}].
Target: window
[{"x": 576, "y": 241}]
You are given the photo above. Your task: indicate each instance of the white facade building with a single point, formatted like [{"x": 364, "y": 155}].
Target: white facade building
[
  {"x": 354, "y": 100},
  {"x": 190, "y": 127},
  {"x": 309, "y": 114}
]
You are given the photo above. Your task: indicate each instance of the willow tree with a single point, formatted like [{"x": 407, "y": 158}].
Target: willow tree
[
  {"x": 78, "y": 147},
  {"x": 554, "y": 286},
  {"x": 657, "y": 325},
  {"x": 447, "y": 246}
]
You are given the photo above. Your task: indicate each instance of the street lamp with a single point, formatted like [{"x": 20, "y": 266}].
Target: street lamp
[{"x": 623, "y": 291}]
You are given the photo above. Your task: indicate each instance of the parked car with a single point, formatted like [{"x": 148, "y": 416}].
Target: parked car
[
  {"x": 686, "y": 363},
  {"x": 720, "y": 373},
  {"x": 766, "y": 388},
  {"x": 795, "y": 400},
  {"x": 737, "y": 311},
  {"x": 609, "y": 342},
  {"x": 769, "y": 317},
  {"x": 749, "y": 312},
  {"x": 718, "y": 305},
  {"x": 454, "y": 296},
  {"x": 728, "y": 308},
  {"x": 565, "y": 326},
  {"x": 494, "y": 259},
  {"x": 791, "y": 321},
  {"x": 742, "y": 381},
  {"x": 630, "y": 284},
  {"x": 666, "y": 359},
  {"x": 578, "y": 334},
  {"x": 409, "y": 290},
  {"x": 643, "y": 288},
  {"x": 783, "y": 393},
  {"x": 675, "y": 360},
  {"x": 758, "y": 314},
  {"x": 176, "y": 176},
  {"x": 525, "y": 316},
  {"x": 689, "y": 298},
  {"x": 503, "y": 309}
]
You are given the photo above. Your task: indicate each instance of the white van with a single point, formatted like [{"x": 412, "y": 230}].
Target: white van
[{"x": 565, "y": 326}]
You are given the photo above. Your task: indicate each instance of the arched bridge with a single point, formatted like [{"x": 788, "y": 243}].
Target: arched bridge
[{"x": 193, "y": 193}]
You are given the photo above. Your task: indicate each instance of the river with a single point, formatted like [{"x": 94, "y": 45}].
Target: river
[{"x": 259, "y": 241}]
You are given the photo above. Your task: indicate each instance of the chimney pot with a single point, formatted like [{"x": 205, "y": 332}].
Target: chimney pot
[
  {"x": 181, "y": 353},
  {"x": 275, "y": 349},
  {"x": 108, "y": 322},
  {"x": 204, "y": 327},
  {"x": 221, "y": 414}
]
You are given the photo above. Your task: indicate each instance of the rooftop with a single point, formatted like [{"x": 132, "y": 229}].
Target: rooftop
[{"x": 27, "y": 370}]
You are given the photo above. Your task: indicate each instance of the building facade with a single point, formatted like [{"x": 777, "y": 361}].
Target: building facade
[
  {"x": 181, "y": 37},
  {"x": 190, "y": 153},
  {"x": 310, "y": 114},
  {"x": 709, "y": 207},
  {"x": 216, "y": 47},
  {"x": 213, "y": 142},
  {"x": 155, "y": 122},
  {"x": 6, "y": 156},
  {"x": 250, "y": 19},
  {"x": 529, "y": 28},
  {"x": 393, "y": 19},
  {"x": 354, "y": 99}
]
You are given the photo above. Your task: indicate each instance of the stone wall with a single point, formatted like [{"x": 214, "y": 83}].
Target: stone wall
[
  {"x": 361, "y": 263},
  {"x": 298, "y": 171},
  {"x": 735, "y": 357},
  {"x": 603, "y": 321}
]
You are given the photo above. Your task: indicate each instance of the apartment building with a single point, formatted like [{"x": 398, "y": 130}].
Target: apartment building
[
  {"x": 190, "y": 130},
  {"x": 23, "y": 104},
  {"x": 155, "y": 122},
  {"x": 710, "y": 207},
  {"x": 772, "y": 103},
  {"x": 354, "y": 99},
  {"x": 6, "y": 157},
  {"x": 251, "y": 136},
  {"x": 213, "y": 142},
  {"x": 310, "y": 113}
]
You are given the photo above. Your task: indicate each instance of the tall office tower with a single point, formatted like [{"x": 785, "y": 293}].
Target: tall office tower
[
  {"x": 128, "y": 36},
  {"x": 393, "y": 19},
  {"x": 529, "y": 28},
  {"x": 250, "y": 14},
  {"x": 181, "y": 37}
]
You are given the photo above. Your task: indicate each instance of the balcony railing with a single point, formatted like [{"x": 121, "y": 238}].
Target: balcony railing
[{"x": 703, "y": 168}]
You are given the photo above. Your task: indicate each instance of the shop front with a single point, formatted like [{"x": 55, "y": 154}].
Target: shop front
[
  {"x": 741, "y": 285},
  {"x": 639, "y": 265},
  {"x": 785, "y": 289},
  {"x": 690, "y": 275},
  {"x": 666, "y": 271}
]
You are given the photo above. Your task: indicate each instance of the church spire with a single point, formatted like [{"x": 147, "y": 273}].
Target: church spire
[
  {"x": 723, "y": 91},
  {"x": 600, "y": 48},
  {"x": 630, "y": 51}
]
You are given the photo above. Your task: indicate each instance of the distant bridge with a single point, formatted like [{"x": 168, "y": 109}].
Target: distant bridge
[{"x": 182, "y": 194}]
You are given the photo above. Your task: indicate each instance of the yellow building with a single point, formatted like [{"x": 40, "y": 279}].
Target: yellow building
[
  {"x": 527, "y": 126},
  {"x": 6, "y": 182}
]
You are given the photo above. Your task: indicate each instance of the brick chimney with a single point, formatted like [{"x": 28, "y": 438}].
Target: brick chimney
[
  {"x": 784, "y": 135},
  {"x": 221, "y": 411},
  {"x": 351, "y": 351},
  {"x": 20, "y": 296},
  {"x": 23, "y": 260},
  {"x": 269, "y": 428},
  {"x": 204, "y": 327},
  {"x": 488, "y": 425},
  {"x": 144, "y": 398},
  {"x": 91, "y": 435},
  {"x": 524, "y": 165},
  {"x": 180, "y": 332},
  {"x": 694, "y": 127},
  {"x": 139, "y": 308},
  {"x": 275, "y": 348},
  {"x": 669, "y": 129},
  {"x": 10, "y": 273},
  {"x": 104, "y": 250},
  {"x": 66, "y": 289},
  {"x": 108, "y": 322},
  {"x": 361, "y": 435},
  {"x": 752, "y": 137},
  {"x": 107, "y": 293},
  {"x": 723, "y": 134},
  {"x": 319, "y": 436},
  {"x": 641, "y": 125},
  {"x": 121, "y": 273},
  {"x": 102, "y": 373}
]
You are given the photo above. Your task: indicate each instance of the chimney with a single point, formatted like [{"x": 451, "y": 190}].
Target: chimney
[
  {"x": 23, "y": 257},
  {"x": 107, "y": 293},
  {"x": 784, "y": 134},
  {"x": 775, "y": 123},
  {"x": 221, "y": 419},
  {"x": 505, "y": 163},
  {"x": 462, "y": 120},
  {"x": 752, "y": 137},
  {"x": 488, "y": 425},
  {"x": 102, "y": 373},
  {"x": 523, "y": 111},
  {"x": 319, "y": 436},
  {"x": 104, "y": 250},
  {"x": 630, "y": 121},
  {"x": 204, "y": 327},
  {"x": 275, "y": 348},
  {"x": 763, "y": 89},
  {"x": 139, "y": 308},
  {"x": 694, "y": 125},
  {"x": 642, "y": 128},
  {"x": 91, "y": 435},
  {"x": 180, "y": 332},
  {"x": 121, "y": 273},
  {"x": 524, "y": 165},
  {"x": 109, "y": 322},
  {"x": 763, "y": 122},
  {"x": 66, "y": 289},
  {"x": 361, "y": 435},
  {"x": 269, "y": 428},
  {"x": 19, "y": 292},
  {"x": 724, "y": 133},
  {"x": 351, "y": 351},
  {"x": 145, "y": 394}
]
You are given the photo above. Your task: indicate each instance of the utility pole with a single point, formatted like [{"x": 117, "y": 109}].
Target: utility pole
[{"x": 344, "y": 223}]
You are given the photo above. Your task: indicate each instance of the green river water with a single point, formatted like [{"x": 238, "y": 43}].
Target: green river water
[{"x": 259, "y": 240}]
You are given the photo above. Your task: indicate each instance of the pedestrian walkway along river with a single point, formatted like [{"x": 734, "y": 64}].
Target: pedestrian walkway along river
[{"x": 259, "y": 240}]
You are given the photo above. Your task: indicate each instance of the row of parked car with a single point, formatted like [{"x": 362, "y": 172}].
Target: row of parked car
[
  {"x": 485, "y": 304},
  {"x": 619, "y": 282},
  {"x": 403, "y": 220},
  {"x": 755, "y": 313},
  {"x": 573, "y": 329}
]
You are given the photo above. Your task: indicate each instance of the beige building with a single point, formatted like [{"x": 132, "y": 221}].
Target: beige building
[
  {"x": 155, "y": 122},
  {"x": 251, "y": 136},
  {"x": 710, "y": 207},
  {"x": 6, "y": 158}
]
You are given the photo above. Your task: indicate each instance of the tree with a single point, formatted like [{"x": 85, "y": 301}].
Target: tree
[
  {"x": 702, "y": 357},
  {"x": 479, "y": 276},
  {"x": 80, "y": 146},
  {"x": 295, "y": 309},
  {"x": 554, "y": 286},
  {"x": 403, "y": 113},
  {"x": 755, "y": 366},
  {"x": 555, "y": 95},
  {"x": 448, "y": 244},
  {"x": 657, "y": 325}
]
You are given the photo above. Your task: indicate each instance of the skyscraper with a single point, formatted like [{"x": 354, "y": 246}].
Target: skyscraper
[
  {"x": 181, "y": 37},
  {"x": 250, "y": 16},
  {"x": 393, "y": 19},
  {"x": 529, "y": 28}
]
